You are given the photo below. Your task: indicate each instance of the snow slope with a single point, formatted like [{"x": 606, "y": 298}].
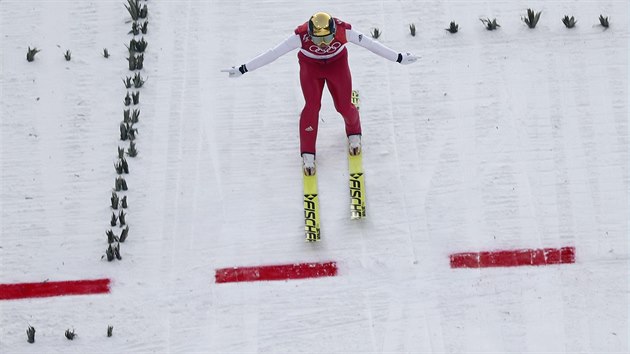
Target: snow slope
[{"x": 499, "y": 140}]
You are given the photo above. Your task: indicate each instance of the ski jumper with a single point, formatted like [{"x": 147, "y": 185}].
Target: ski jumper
[
  {"x": 321, "y": 65},
  {"x": 325, "y": 65}
]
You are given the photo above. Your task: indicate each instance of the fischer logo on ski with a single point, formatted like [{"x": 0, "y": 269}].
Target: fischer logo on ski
[
  {"x": 311, "y": 209},
  {"x": 357, "y": 201},
  {"x": 311, "y": 223}
]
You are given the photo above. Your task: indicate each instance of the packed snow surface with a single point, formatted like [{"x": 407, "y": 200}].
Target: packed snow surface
[{"x": 494, "y": 140}]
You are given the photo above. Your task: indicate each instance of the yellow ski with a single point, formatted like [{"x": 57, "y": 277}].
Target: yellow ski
[
  {"x": 355, "y": 98},
  {"x": 311, "y": 209},
  {"x": 357, "y": 187},
  {"x": 357, "y": 180}
]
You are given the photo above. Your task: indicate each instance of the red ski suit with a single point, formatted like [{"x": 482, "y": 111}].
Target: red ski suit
[{"x": 325, "y": 65}]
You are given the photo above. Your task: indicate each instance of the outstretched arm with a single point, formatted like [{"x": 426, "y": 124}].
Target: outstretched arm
[
  {"x": 375, "y": 47},
  {"x": 267, "y": 57}
]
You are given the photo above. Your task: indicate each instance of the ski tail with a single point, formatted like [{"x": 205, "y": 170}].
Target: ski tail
[
  {"x": 311, "y": 209},
  {"x": 357, "y": 187}
]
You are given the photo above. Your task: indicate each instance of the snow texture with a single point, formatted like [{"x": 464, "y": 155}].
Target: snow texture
[{"x": 493, "y": 140}]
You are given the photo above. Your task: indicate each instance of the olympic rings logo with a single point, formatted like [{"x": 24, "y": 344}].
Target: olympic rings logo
[{"x": 327, "y": 50}]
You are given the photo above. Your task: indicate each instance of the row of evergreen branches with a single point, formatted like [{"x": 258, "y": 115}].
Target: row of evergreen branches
[
  {"x": 136, "y": 49},
  {"x": 531, "y": 20},
  {"x": 69, "y": 334},
  {"x": 128, "y": 130}
]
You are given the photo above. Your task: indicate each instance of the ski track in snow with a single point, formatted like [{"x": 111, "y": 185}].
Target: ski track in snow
[{"x": 509, "y": 139}]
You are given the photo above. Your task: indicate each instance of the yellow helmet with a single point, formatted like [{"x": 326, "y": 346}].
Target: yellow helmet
[{"x": 321, "y": 28}]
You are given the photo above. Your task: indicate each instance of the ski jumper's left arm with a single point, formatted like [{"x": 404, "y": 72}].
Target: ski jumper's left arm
[{"x": 375, "y": 47}]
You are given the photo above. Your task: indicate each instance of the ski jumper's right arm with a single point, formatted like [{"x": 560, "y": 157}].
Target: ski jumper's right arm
[{"x": 267, "y": 57}]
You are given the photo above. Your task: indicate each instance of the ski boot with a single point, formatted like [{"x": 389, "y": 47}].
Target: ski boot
[
  {"x": 354, "y": 145},
  {"x": 308, "y": 163}
]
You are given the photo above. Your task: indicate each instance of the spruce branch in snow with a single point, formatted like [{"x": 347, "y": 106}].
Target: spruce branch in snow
[
  {"x": 453, "y": 28},
  {"x": 116, "y": 248},
  {"x": 532, "y": 18},
  {"x": 110, "y": 331},
  {"x": 70, "y": 334},
  {"x": 125, "y": 165},
  {"x": 139, "y": 62},
  {"x": 135, "y": 96},
  {"x": 569, "y": 22},
  {"x": 127, "y": 100},
  {"x": 376, "y": 33},
  {"x": 412, "y": 29},
  {"x": 109, "y": 253},
  {"x": 114, "y": 220},
  {"x": 135, "y": 29},
  {"x": 30, "y": 55},
  {"x": 111, "y": 237},
  {"x": 141, "y": 45},
  {"x": 115, "y": 201},
  {"x": 30, "y": 334},
  {"x": 135, "y": 116},
  {"x": 144, "y": 11},
  {"x": 132, "y": 151},
  {"x": 490, "y": 25},
  {"x": 124, "y": 234},
  {"x": 121, "y": 218},
  {"x": 133, "y": 8},
  {"x": 137, "y": 46},
  {"x": 121, "y": 184},
  {"x": 127, "y": 116},
  {"x": 105, "y": 53},
  {"x": 127, "y": 131},
  {"x": 131, "y": 48},
  {"x": 121, "y": 152},
  {"x": 144, "y": 27},
  {"x": 113, "y": 251},
  {"x": 131, "y": 132},
  {"x": 138, "y": 81},
  {"x": 124, "y": 133},
  {"x": 123, "y": 202},
  {"x": 604, "y": 21},
  {"x": 117, "y": 185},
  {"x": 128, "y": 82},
  {"x": 67, "y": 55},
  {"x": 118, "y": 167},
  {"x": 132, "y": 62}
]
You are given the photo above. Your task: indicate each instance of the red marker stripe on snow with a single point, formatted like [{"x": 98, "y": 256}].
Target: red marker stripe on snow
[
  {"x": 514, "y": 258},
  {"x": 276, "y": 272},
  {"x": 53, "y": 288}
]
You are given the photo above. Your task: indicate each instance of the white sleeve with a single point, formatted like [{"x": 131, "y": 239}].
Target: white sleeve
[
  {"x": 274, "y": 53},
  {"x": 375, "y": 47}
]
